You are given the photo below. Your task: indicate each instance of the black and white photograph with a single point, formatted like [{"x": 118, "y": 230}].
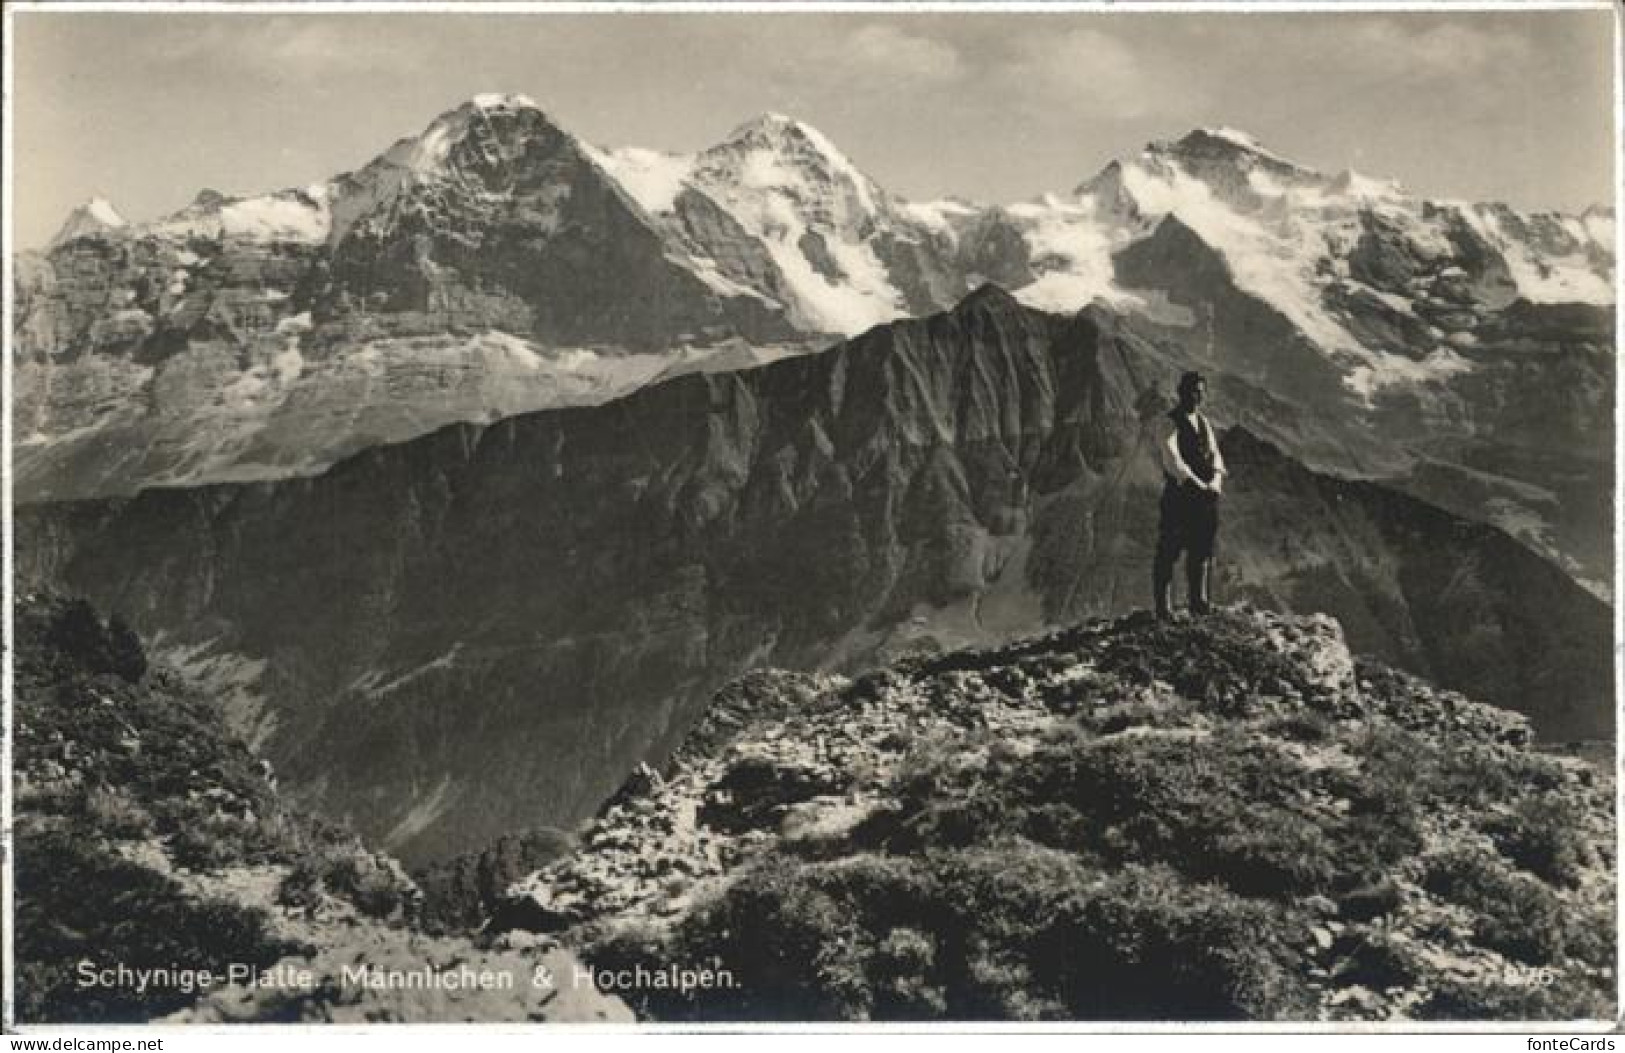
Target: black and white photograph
[{"x": 667, "y": 516}]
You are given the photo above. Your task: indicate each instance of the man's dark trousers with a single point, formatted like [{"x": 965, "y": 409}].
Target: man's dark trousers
[{"x": 1189, "y": 526}]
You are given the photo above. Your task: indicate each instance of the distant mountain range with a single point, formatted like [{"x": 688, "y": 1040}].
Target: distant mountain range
[
  {"x": 483, "y": 629},
  {"x": 465, "y": 478},
  {"x": 496, "y": 264}
]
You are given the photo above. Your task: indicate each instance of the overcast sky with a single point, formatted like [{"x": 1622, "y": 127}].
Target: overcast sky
[{"x": 145, "y": 109}]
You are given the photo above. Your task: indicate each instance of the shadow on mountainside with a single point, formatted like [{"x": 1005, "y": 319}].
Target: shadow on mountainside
[{"x": 150, "y": 840}]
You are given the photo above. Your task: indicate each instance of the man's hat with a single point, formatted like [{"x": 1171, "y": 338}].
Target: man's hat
[{"x": 1188, "y": 381}]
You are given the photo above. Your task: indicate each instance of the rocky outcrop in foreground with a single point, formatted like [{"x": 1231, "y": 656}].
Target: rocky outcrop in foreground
[
  {"x": 1227, "y": 818},
  {"x": 160, "y": 875}
]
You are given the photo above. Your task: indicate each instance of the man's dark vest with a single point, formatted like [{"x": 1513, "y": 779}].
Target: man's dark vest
[{"x": 1193, "y": 445}]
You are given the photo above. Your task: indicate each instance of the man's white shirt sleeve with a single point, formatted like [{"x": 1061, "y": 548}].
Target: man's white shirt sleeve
[{"x": 1213, "y": 444}]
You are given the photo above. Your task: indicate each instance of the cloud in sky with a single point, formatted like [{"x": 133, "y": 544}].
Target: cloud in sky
[
  {"x": 990, "y": 105},
  {"x": 893, "y": 49},
  {"x": 1402, "y": 53},
  {"x": 1087, "y": 72},
  {"x": 1447, "y": 50},
  {"x": 284, "y": 47},
  {"x": 313, "y": 46}
]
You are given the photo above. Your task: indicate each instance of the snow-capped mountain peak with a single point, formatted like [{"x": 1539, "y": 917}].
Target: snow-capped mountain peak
[
  {"x": 1234, "y": 135},
  {"x": 773, "y": 151},
  {"x": 1222, "y": 144},
  {"x": 1359, "y": 185},
  {"x": 95, "y": 216},
  {"x": 479, "y": 144},
  {"x": 769, "y": 152},
  {"x": 433, "y": 150},
  {"x": 500, "y": 101},
  {"x": 295, "y": 215},
  {"x": 772, "y": 128},
  {"x": 814, "y": 212}
]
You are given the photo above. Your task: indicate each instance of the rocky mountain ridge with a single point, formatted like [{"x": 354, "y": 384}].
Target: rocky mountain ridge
[
  {"x": 496, "y": 263},
  {"x": 1226, "y": 818},
  {"x": 591, "y": 575}
]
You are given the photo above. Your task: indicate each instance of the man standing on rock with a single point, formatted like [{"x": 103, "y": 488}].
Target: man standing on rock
[{"x": 1193, "y": 476}]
